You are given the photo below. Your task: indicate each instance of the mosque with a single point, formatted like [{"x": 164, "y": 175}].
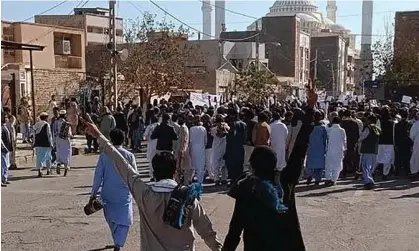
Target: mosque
[{"x": 312, "y": 20}]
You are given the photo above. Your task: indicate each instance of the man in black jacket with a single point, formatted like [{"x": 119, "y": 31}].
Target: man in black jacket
[
  {"x": 165, "y": 134},
  {"x": 259, "y": 211},
  {"x": 402, "y": 143}
]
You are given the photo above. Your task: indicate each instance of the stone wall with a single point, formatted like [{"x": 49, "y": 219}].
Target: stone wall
[{"x": 61, "y": 83}]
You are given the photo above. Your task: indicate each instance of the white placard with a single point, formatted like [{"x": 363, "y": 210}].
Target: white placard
[
  {"x": 342, "y": 98},
  {"x": 345, "y": 102},
  {"x": 203, "y": 99},
  {"x": 373, "y": 103},
  {"x": 290, "y": 98},
  {"x": 329, "y": 98},
  {"x": 406, "y": 99}
]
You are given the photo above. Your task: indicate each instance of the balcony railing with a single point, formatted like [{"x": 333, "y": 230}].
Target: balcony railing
[{"x": 68, "y": 61}]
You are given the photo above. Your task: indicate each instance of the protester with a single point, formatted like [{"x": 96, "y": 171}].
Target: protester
[
  {"x": 261, "y": 134},
  {"x": 279, "y": 134},
  {"x": 184, "y": 172},
  {"x": 351, "y": 127},
  {"x": 121, "y": 121},
  {"x": 6, "y": 148},
  {"x": 414, "y": 160},
  {"x": 259, "y": 210},
  {"x": 219, "y": 132},
  {"x": 207, "y": 124},
  {"x": 165, "y": 135},
  {"x": 43, "y": 143},
  {"x": 336, "y": 151},
  {"x": 107, "y": 121},
  {"x": 63, "y": 142},
  {"x": 152, "y": 201},
  {"x": 236, "y": 139},
  {"x": 115, "y": 194},
  {"x": 369, "y": 139},
  {"x": 385, "y": 155},
  {"x": 402, "y": 144},
  {"x": 151, "y": 143},
  {"x": 248, "y": 146},
  {"x": 11, "y": 126},
  {"x": 197, "y": 143},
  {"x": 73, "y": 115},
  {"x": 316, "y": 150},
  {"x": 24, "y": 118}
]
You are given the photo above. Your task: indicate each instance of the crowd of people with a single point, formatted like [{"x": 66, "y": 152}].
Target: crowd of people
[
  {"x": 260, "y": 151},
  {"x": 276, "y": 146}
]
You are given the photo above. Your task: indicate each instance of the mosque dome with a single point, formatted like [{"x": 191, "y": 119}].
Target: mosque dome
[{"x": 293, "y": 6}]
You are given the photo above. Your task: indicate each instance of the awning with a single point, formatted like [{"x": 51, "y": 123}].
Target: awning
[{"x": 9, "y": 45}]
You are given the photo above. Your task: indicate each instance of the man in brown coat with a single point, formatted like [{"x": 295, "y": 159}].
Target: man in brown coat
[{"x": 152, "y": 201}]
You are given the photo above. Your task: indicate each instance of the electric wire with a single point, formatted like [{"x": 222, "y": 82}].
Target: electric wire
[
  {"x": 57, "y": 27},
  {"x": 45, "y": 11}
]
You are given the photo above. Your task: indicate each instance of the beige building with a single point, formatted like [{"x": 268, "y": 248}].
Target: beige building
[
  {"x": 58, "y": 68},
  {"x": 93, "y": 21}
]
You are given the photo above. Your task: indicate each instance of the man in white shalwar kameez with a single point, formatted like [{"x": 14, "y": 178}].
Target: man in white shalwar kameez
[
  {"x": 336, "y": 149},
  {"x": 279, "y": 133},
  {"x": 63, "y": 134},
  {"x": 414, "y": 160},
  {"x": 151, "y": 143},
  {"x": 197, "y": 142},
  {"x": 219, "y": 132}
]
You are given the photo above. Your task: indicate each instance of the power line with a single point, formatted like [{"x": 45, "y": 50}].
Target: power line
[
  {"x": 45, "y": 11},
  {"x": 133, "y": 5},
  {"x": 57, "y": 27},
  {"x": 192, "y": 28}
]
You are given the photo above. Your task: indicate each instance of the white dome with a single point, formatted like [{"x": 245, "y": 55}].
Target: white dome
[
  {"x": 293, "y": 6},
  {"x": 308, "y": 18}
]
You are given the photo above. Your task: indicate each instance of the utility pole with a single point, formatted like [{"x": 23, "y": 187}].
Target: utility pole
[
  {"x": 112, "y": 47},
  {"x": 333, "y": 79},
  {"x": 257, "y": 45},
  {"x": 315, "y": 69}
]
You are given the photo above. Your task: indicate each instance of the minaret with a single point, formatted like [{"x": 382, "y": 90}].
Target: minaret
[
  {"x": 331, "y": 9},
  {"x": 220, "y": 17},
  {"x": 206, "y": 19},
  {"x": 366, "y": 39}
]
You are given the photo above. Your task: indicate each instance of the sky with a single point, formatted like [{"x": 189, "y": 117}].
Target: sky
[{"x": 348, "y": 14}]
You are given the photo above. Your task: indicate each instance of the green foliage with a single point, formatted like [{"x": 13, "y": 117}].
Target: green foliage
[{"x": 254, "y": 85}]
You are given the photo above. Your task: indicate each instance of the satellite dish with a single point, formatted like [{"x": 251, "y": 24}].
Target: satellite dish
[{"x": 123, "y": 55}]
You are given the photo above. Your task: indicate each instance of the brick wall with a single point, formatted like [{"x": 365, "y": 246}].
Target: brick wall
[
  {"x": 281, "y": 57},
  {"x": 406, "y": 34},
  {"x": 60, "y": 83}
]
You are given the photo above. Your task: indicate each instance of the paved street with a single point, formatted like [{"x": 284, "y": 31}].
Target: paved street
[{"x": 47, "y": 214}]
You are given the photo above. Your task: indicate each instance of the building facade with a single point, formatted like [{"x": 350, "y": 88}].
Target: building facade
[
  {"x": 329, "y": 59},
  {"x": 93, "y": 21},
  {"x": 284, "y": 49},
  {"x": 58, "y": 69}
]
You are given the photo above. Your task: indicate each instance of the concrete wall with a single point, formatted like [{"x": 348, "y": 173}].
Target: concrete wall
[
  {"x": 44, "y": 35},
  {"x": 82, "y": 22}
]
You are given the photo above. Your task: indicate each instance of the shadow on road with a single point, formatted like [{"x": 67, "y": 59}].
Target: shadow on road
[
  {"x": 100, "y": 249},
  {"x": 396, "y": 185},
  {"x": 18, "y": 178},
  {"x": 415, "y": 195}
]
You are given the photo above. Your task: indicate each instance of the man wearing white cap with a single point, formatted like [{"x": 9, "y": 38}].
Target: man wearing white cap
[
  {"x": 62, "y": 132},
  {"x": 43, "y": 143}
]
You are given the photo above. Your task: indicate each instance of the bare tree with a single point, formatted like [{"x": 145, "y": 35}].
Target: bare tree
[{"x": 159, "y": 58}]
